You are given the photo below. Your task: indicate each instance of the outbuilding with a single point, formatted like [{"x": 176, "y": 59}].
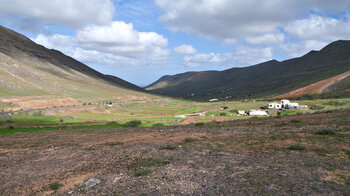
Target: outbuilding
[
  {"x": 274, "y": 106},
  {"x": 258, "y": 113}
]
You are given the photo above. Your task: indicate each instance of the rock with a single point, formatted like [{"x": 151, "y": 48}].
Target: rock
[
  {"x": 70, "y": 192},
  {"x": 92, "y": 182}
]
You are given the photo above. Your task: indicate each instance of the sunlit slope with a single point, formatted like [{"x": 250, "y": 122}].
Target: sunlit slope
[{"x": 28, "y": 69}]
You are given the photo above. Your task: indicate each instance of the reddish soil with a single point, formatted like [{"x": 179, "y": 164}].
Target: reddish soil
[{"x": 318, "y": 87}]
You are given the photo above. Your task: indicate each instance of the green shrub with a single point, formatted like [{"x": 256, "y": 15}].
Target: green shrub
[
  {"x": 142, "y": 172},
  {"x": 317, "y": 107},
  {"x": 168, "y": 147},
  {"x": 296, "y": 147},
  {"x": 222, "y": 114},
  {"x": 55, "y": 185},
  {"x": 189, "y": 139},
  {"x": 234, "y": 111},
  {"x": 133, "y": 123},
  {"x": 325, "y": 132}
]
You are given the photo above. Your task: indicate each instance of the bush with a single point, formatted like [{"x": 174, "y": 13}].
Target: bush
[
  {"x": 168, "y": 147},
  {"x": 189, "y": 139},
  {"x": 222, "y": 114},
  {"x": 325, "y": 132},
  {"x": 234, "y": 111},
  {"x": 317, "y": 107},
  {"x": 142, "y": 172},
  {"x": 133, "y": 123},
  {"x": 296, "y": 147},
  {"x": 55, "y": 185},
  {"x": 198, "y": 124}
]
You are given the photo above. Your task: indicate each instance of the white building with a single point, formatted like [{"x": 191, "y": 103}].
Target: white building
[
  {"x": 285, "y": 103},
  {"x": 258, "y": 113},
  {"x": 241, "y": 112},
  {"x": 274, "y": 106}
]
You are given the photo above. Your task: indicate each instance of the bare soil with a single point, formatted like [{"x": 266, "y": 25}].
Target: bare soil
[
  {"x": 260, "y": 156},
  {"x": 318, "y": 87}
]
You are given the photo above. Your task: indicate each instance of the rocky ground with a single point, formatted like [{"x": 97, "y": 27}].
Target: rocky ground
[{"x": 303, "y": 155}]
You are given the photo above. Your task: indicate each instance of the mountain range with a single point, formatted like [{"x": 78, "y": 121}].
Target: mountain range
[
  {"x": 268, "y": 79},
  {"x": 29, "y": 69}
]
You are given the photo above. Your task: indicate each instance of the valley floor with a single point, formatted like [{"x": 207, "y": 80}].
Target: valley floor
[{"x": 288, "y": 155}]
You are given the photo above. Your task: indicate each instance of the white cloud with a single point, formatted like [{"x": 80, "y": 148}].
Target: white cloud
[
  {"x": 122, "y": 39},
  {"x": 73, "y": 13},
  {"x": 266, "y": 39},
  {"x": 185, "y": 49},
  {"x": 242, "y": 57},
  {"x": 320, "y": 27},
  {"x": 300, "y": 48},
  {"x": 254, "y": 20},
  {"x": 115, "y": 44},
  {"x": 59, "y": 42}
]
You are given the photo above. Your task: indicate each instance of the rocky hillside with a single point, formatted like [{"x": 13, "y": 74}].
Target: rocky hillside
[{"x": 263, "y": 80}]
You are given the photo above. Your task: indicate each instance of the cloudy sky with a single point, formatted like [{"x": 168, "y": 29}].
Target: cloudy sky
[{"x": 142, "y": 40}]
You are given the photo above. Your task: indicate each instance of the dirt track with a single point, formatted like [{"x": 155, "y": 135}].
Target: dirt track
[{"x": 241, "y": 157}]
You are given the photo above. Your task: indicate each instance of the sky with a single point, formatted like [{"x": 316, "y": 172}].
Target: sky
[{"x": 142, "y": 40}]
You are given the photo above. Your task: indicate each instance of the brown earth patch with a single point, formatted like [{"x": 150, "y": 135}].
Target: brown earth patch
[{"x": 318, "y": 87}]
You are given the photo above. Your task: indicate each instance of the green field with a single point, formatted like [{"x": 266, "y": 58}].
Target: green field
[{"x": 157, "y": 112}]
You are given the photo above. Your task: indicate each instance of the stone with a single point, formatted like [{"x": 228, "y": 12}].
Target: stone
[{"x": 92, "y": 182}]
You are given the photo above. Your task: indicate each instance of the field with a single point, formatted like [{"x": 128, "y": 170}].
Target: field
[
  {"x": 290, "y": 154},
  {"x": 119, "y": 114}
]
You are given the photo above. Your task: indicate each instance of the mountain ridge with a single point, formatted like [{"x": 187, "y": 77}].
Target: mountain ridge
[
  {"x": 11, "y": 41},
  {"x": 261, "y": 80}
]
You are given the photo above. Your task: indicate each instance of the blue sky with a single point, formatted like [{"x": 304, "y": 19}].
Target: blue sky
[{"x": 142, "y": 40}]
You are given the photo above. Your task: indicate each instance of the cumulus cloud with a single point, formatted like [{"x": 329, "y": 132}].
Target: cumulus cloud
[
  {"x": 320, "y": 27},
  {"x": 298, "y": 49},
  {"x": 230, "y": 20},
  {"x": 242, "y": 57},
  {"x": 72, "y": 13},
  {"x": 122, "y": 39},
  {"x": 116, "y": 43},
  {"x": 185, "y": 49}
]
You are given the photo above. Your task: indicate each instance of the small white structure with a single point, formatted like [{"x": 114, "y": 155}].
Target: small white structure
[
  {"x": 241, "y": 112},
  {"x": 285, "y": 103},
  {"x": 274, "y": 106},
  {"x": 212, "y": 100},
  {"x": 302, "y": 107},
  {"x": 258, "y": 113}
]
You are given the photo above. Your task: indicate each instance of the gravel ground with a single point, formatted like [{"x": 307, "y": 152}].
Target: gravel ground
[{"x": 291, "y": 155}]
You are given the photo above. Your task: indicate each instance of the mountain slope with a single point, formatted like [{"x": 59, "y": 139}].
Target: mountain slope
[
  {"x": 262, "y": 80},
  {"x": 27, "y": 68}
]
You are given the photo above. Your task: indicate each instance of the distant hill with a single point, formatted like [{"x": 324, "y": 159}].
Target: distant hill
[
  {"x": 267, "y": 79},
  {"x": 27, "y": 68}
]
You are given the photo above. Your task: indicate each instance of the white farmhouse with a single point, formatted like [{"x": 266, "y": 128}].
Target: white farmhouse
[
  {"x": 241, "y": 112},
  {"x": 285, "y": 103},
  {"x": 274, "y": 106},
  {"x": 258, "y": 113}
]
